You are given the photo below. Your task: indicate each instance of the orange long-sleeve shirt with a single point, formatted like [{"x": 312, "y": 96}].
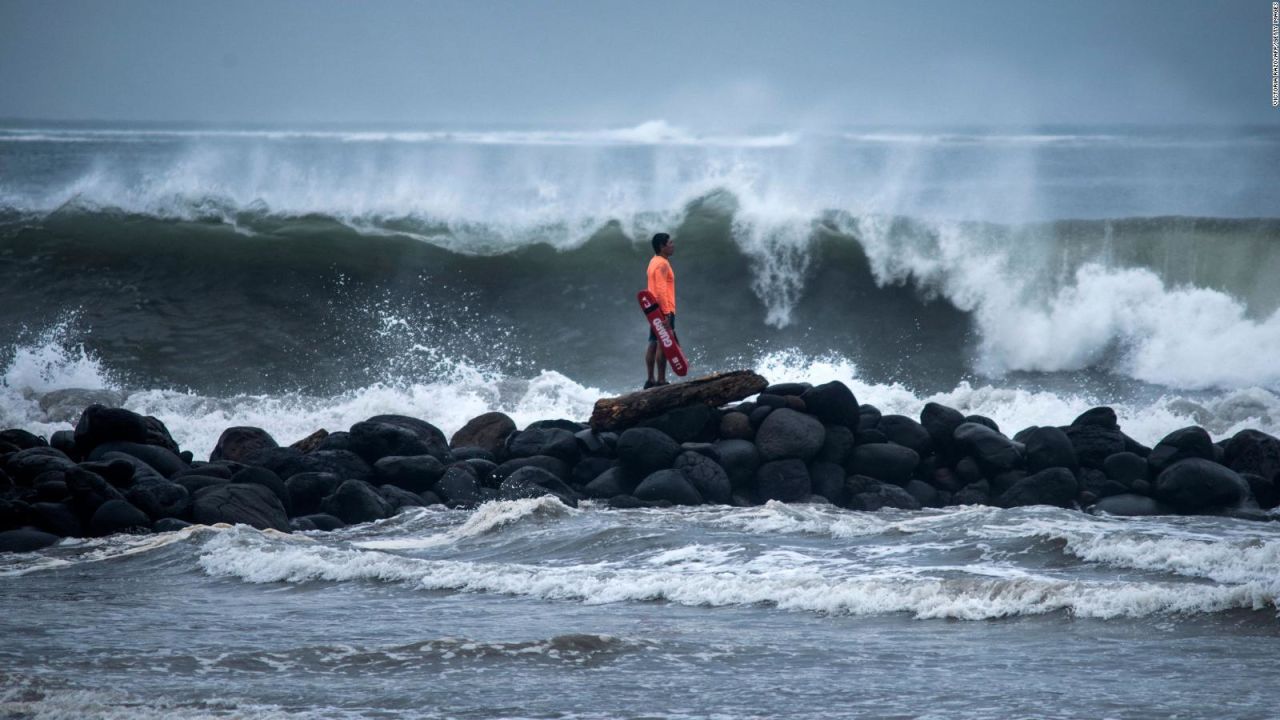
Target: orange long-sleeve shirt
[{"x": 662, "y": 283}]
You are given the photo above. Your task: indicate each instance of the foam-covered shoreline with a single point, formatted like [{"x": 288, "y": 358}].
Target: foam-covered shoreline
[{"x": 120, "y": 471}]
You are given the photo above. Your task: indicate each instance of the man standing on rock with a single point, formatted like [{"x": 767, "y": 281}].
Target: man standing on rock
[{"x": 662, "y": 283}]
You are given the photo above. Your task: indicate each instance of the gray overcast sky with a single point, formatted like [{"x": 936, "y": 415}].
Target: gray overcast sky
[{"x": 699, "y": 64}]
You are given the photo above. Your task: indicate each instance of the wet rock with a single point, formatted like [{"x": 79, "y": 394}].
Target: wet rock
[
  {"x": 740, "y": 460},
  {"x": 590, "y": 443},
  {"x": 25, "y": 540},
  {"x": 238, "y": 504},
  {"x": 373, "y": 441},
  {"x": 484, "y": 470},
  {"x": 414, "y": 473},
  {"x": 163, "y": 461},
  {"x": 159, "y": 498},
  {"x": 158, "y": 435},
  {"x": 941, "y": 422},
  {"x": 118, "y": 516},
  {"x": 169, "y": 524},
  {"x": 1098, "y": 484},
  {"x": 1054, "y": 486},
  {"x": 924, "y": 493},
  {"x": 1264, "y": 490},
  {"x": 758, "y": 415},
  {"x": 1095, "y": 436},
  {"x": 1125, "y": 468},
  {"x": 307, "y": 491},
  {"x": 99, "y": 424},
  {"x": 319, "y": 521},
  {"x": 557, "y": 443},
  {"x": 472, "y": 453},
  {"x": 1199, "y": 485},
  {"x": 52, "y": 490},
  {"x": 827, "y": 480},
  {"x": 196, "y": 483},
  {"x": 398, "y": 498},
  {"x": 787, "y": 388},
  {"x": 630, "y": 502},
  {"x": 22, "y": 439},
  {"x": 784, "y": 480},
  {"x": 993, "y": 452},
  {"x": 736, "y": 426},
  {"x": 355, "y": 502},
  {"x": 588, "y": 468},
  {"x": 1254, "y": 452},
  {"x": 1130, "y": 505},
  {"x": 883, "y": 496},
  {"x": 837, "y": 443},
  {"x": 1188, "y": 442},
  {"x": 426, "y": 432},
  {"x": 886, "y": 462},
  {"x": 1048, "y": 447},
  {"x": 240, "y": 443},
  {"x": 555, "y": 466},
  {"x": 706, "y": 476},
  {"x": 686, "y": 424},
  {"x": 458, "y": 487},
  {"x": 25, "y": 465},
  {"x": 531, "y": 482},
  {"x": 978, "y": 493},
  {"x": 340, "y": 440},
  {"x": 982, "y": 420},
  {"x": 1001, "y": 482},
  {"x": 572, "y": 426},
  {"x": 832, "y": 403},
  {"x": 56, "y": 518},
  {"x": 271, "y": 481},
  {"x": 310, "y": 442},
  {"x": 89, "y": 491},
  {"x": 141, "y": 470},
  {"x": 789, "y": 434},
  {"x": 644, "y": 451},
  {"x": 610, "y": 483},
  {"x": 205, "y": 470},
  {"x": 902, "y": 430},
  {"x": 669, "y": 485}
]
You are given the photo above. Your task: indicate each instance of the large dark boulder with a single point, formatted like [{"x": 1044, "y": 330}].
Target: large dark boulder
[
  {"x": 881, "y": 496},
  {"x": 740, "y": 460},
  {"x": 827, "y": 479},
  {"x": 832, "y": 403},
  {"x": 644, "y": 451},
  {"x": 1095, "y": 435},
  {"x": 555, "y": 442},
  {"x": 1125, "y": 468},
  {"x": 669, "y": 485},
  {"x": 25, "y": 540},
  {"x": 736, "y": 426},
  {"x": 1128, "y": 504},
  {"x": 902, "y": 430},
  {"x": 160, "y": 459},
  {"x": 430, "y": 434},
  {"x": 686, "y": 424},
  {"x": 89, "y": 491},
  {"x": 239, "y": 443},
  {"x": 459, "y": 486},
  {"x": 158, "y": 435},
  {"x": 204, "y": 469},
  {"x": 373, "y": 441},
  {"x": 415, "y": 473},
  {"x": 1048, "y": 447},
  {"x": 399, "y": 498},
  {"x": 118, "y": 516},
  {"x": 787, "y": 388},
  {"x": 317, "y": 521},
  {"x": 993, "y": 452},
  {"x": 356, "y": 501},
  {"x": 555, "y": 466},
  {"x": 978, "y": 493},
  {"x": 25, "y": 466},
  {"x": 1264, "y": 490},
  {"x": 99, "y": 424},
  {"x": 588, "y": 468},
  {"x": 789, "y": 434},
  {"x": 159, "y": 498},
  {"x": 141, "y": 470},
  {"x": 786, "y": 480},
  {"x": 169, "y": 525},
  {"x": 307, "y": 491},
  {"x": 837, "y": 443},
  {"x": 196, "y": 483},
  {"x": 924, "y": 493},
  {"x": 706, "y": 476},
  {"x": 1253, "y": 452},
  {"x": 488, "y": 431},
  {"x": 56, "y": 518},
  {"x": 941, "y": 422},
  {"x": 886, "y": 462},
  {"x": 343, "y": 463},
  {"x": 1199, "y": 485},
  {"x": 1096, "y": 483},
  {"x": 1053, "y": 486},
  {"x": 531, "y": 482},
  {"x": 237, "y": 504},
  {"x": 610, "y": 483},
  {"x": 22, "y": 439},
  {"x": 268, "y": 479},
  {"x": 1188, "y": 442}
]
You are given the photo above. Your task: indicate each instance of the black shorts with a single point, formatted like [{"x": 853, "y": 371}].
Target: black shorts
[{"x": 671, "y": 325}]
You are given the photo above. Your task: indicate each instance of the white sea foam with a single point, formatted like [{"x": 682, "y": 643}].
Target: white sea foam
[
  {"x": 781, "y": 578},
  {"x": 484, "y": 520}
]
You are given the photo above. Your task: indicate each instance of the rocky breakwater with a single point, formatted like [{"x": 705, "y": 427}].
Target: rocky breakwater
[{"x": 683, "y": 444}]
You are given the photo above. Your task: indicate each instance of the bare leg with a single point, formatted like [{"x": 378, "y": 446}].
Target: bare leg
[{"x": 650, "y": 358}]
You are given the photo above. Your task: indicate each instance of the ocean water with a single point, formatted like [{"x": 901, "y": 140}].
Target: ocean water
[{"x": 302, "y": 278}]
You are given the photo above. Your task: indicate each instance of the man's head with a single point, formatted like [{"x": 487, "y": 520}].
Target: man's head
[{"x": 663, "y": 245}]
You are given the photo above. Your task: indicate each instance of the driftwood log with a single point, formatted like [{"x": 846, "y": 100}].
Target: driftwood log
[{"x": 622, "y": 412}]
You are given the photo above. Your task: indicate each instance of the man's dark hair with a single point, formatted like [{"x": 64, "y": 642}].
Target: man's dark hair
[{"x": 660, "y": 240}]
